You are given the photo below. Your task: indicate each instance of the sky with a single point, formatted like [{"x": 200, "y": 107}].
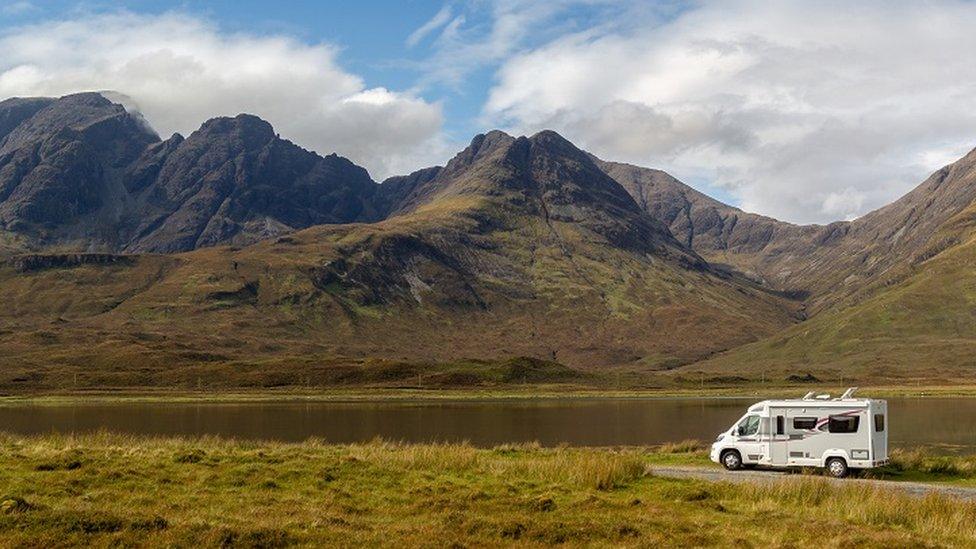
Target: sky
[{"x": 809, "y": 112}]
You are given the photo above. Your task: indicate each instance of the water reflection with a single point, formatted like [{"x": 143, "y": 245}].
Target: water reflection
[{"x": 945, "y": 423}]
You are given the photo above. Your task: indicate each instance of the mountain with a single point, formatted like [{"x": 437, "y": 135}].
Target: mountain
[
  {"x": 81, "y": 172},
  {"x": 890, "y": 294},
  {"x": 826, "y": 265},
  {"x": 234, "y": 256},
  {"x": 235, "y": 181},
  {"x": 547, "y": 176},
  {"x": 724, "y": 234},
  {"x": 62, "y": 166},
  {"x": 917, "y": 320},
  {"x": 519, "y": 246}
]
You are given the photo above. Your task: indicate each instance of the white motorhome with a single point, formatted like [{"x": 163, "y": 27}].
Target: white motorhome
[{"x": 814, "y": 431}]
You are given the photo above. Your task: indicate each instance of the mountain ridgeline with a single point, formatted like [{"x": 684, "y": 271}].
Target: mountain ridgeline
[
  {"x": 83, "y": 172},
  {"x": 120, "y": 246}
]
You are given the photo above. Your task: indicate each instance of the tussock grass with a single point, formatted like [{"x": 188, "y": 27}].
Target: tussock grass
[
  {"x": 687, "y": 446},
  {"x": 922, "y": 464},
  {"x": 209, "y": 492},
  {"x": 935, "y": 516}
]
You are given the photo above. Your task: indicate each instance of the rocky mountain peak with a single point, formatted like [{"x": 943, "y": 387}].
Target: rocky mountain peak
[
  {"x": 482, "y": 146},
  {"x": 72, "y": 113},
  {"x": 251, "y": 131},
  {"x": 542, "y": 176}
]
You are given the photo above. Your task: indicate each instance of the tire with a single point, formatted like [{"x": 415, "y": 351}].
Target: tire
[
  {"x": 837, "y": 467},
  {"x": 732, "y": 460}
]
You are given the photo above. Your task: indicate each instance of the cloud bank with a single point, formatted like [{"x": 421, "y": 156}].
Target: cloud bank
[
  {"x": 181, "y": 70},
  {"x": 806, "y": 111}
]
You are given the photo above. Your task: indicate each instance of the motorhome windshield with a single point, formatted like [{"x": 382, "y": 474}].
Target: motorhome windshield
[{"x": 748, "y": 426}]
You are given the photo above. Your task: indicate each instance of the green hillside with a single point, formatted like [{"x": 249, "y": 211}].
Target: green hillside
[{"x": 919, "y": 323}]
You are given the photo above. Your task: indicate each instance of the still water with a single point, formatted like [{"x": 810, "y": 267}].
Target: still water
[{"x": 945, "y": 424}]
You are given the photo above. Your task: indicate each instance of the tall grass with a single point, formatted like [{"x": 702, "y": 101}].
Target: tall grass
[
  {"x": 687, "y": 446},
  {"x": 934, "y": 515},
  {"x": 924, "y": 462},
  {"x": 105, "y": 489},
  {"x": 579, "y": 468}
]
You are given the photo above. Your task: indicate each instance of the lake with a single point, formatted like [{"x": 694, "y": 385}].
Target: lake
[{"x": 946, "y": 424}]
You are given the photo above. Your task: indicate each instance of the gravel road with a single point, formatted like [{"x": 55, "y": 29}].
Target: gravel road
[{"x": 766, "y": 476}]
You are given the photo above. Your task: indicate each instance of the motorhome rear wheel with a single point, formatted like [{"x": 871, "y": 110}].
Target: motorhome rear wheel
[{"x": 837, "y": 467}]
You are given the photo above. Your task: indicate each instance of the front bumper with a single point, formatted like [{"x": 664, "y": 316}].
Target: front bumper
[{"x": 714, "y": 454}]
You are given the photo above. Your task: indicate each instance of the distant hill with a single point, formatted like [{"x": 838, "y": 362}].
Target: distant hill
[
  {"x": 917, "y": 320},
  {"x": 235, "y": 257},
  {"x": 824, "y": 264}
]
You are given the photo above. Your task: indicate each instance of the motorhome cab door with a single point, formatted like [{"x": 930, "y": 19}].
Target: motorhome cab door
[
  {"x": 778, "y": 441},
  {"x": 749, "y": 438}
]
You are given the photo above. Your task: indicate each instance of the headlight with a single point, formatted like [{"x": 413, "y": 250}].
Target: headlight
[{"x": 720, "y": 437}]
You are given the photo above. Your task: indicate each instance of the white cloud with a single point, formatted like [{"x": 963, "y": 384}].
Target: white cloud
[
  {"x": 182, "y": 70},
  {"x": 487, "y": 33},
  {"x": 434, "y": 23},
  {"x": 807, "y": 111}
]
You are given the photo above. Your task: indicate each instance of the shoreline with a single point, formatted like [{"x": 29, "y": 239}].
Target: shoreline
[{"x": 474, "y": 394}]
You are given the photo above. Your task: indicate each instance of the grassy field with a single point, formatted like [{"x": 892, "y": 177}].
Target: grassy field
[{"x": 105, "y": 489}]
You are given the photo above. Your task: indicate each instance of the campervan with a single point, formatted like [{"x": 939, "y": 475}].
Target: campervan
[{"x": 838, "y": 434}]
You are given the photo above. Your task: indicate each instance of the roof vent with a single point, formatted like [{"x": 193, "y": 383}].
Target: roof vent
[
  {"x": 808, "y": 396},
  {"x": 849, "y": 393},
  {"x": 824, "y": 396}
]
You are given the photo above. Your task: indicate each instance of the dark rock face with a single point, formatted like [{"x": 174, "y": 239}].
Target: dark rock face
[
  {"x": 38, "y": 262},
  {"x": 573, "y": 189},
  {"x": 235, "y": 181},
  {"x": 60, "y": 168},
  {"x": 82, "y": 171},
  {"x": 15, "y": 111},
  {"x": 394, "y": 191}
]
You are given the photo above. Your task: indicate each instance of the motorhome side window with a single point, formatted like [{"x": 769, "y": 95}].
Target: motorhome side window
[
  {"x": 804, "y": 422},
  {"x": 843, "y": 424},
  {"x": 879, "y": 422},
  {"x": 748, "y": 426}
]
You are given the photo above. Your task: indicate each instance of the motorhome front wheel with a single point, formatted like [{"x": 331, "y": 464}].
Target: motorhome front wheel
[{"x": 732, "y": 461}]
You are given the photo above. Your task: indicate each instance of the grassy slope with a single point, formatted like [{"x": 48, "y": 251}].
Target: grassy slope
[
  {"x": 918, "y": 324},
  {"x": 256, "y": 317},
  {"x": 106, "y": 490}
]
